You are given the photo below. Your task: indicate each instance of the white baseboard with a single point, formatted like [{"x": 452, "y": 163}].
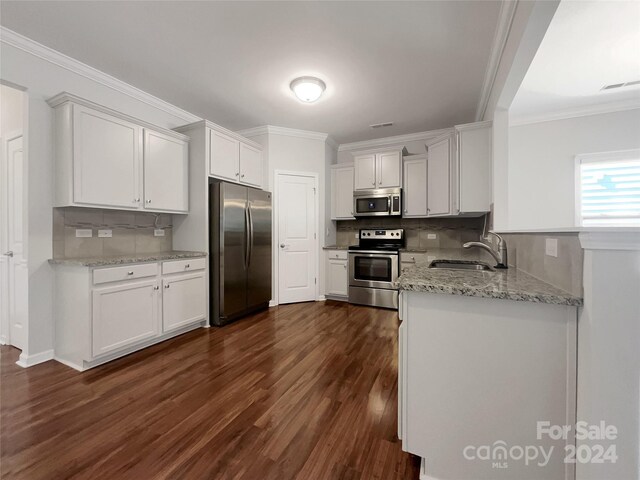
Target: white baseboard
[
  {"x": 26, "y": 361},
  {"x": 322, "y": 298},
  {"x": 272, "y": 303},
  {"x": 68, "y": 364}
]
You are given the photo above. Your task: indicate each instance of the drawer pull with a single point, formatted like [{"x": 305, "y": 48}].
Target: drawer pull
[
  {"x": 129, "y": 273},
  {"x": 167, "y": 286},
  {"x": 187, "y": 266},
  {"x": 156, "y": 288}
]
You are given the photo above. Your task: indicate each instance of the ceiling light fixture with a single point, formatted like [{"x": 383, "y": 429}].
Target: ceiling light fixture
[{"x": 308, "y": 89}]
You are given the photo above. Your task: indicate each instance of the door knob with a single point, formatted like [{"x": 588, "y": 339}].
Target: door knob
[
  {"x": 282, "y": 245},
  {"x": 9, "y": 253}
]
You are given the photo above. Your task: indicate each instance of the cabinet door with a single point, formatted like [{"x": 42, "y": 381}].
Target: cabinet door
[
  {"x": 224, "y": 161},
  {"x": 184, "y": 300},
  {"x": 342, "y": 193},
  {"x": 415, "y": 188},
  {"x": 124, "y": 315},
  {"x": 389, "y": 166},
  {"x": 166, "y": 172},
  {"x": 338, "y": 278},
  {"x": 106, "y": 159},
  {"x": 365, "y": 172},
  {"x": 250, "y": 165},
  {"x": 438, "y": 180},
  {"x": 474, "y": 164}
]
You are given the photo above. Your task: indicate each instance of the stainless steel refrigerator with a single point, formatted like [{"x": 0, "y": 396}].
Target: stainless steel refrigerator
[{"x": 240, "y": 247}]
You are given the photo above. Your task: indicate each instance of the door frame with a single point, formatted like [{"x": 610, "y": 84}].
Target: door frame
[
  {"x": 5, "y": 339},
  {"x": 276, "y": 227}
]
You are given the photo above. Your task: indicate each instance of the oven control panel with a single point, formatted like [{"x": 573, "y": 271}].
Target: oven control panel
[{"x": 378, "y": 234}]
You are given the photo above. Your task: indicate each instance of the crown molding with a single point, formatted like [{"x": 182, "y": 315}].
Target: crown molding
[
  {"x": 36, "y": 49},
  {"x": 621, "y": 240},
  {"x": 575, "y": 112},
  {"x": 332, "y": 143},
  {"x": 505, "y": 19},
  {"x": 284, "y": 131},
  {"x": 392, "y": 141}
]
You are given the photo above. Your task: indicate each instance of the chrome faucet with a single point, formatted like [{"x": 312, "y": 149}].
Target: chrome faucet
[{"x": 500, "y": 257}]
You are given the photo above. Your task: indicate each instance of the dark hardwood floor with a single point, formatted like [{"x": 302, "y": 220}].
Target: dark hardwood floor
[{"x": 305, "y": 391}]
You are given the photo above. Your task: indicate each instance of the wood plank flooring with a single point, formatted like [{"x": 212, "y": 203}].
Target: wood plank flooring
[{"x": 305, "y": 391}]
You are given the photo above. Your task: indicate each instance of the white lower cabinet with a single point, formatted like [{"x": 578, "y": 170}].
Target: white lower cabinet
[
  {"x": 124, "y": 315},
  {"x": 337, "y": 275},
  {"x": 184, "y": 300},
  {"x": 103, "y": 313}
]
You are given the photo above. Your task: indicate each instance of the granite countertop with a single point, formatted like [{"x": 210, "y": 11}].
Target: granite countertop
[
  {"x": 510, "y": 284},
  {"x": 124, "y": 259},
  {"x": 336, "y": 247}
]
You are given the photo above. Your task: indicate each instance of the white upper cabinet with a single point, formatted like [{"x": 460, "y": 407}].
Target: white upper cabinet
[
  {"x": 414, "y": 186},
  {"x": 365, "y": 171},
  {"x": 106, "y": 159},
  {"x": 378, "y": 170},
  {"x": 250, "y": 165},
  {"x": 232, "y": 157},
  {"x": 342, "y": 181},
  {"x": 438, "y": 177},
  {"x": 106, "y": 154},
  {"x": 474, "y": 152},
  {"x": 388, "y": 169},
  {"x": 225, "y": 156},
  {"x": 166, "y": 172}
]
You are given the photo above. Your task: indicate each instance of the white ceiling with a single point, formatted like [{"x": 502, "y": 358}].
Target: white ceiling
[
  {"x": 420, "y": 65},
  {"x": 589, "y": 44}
]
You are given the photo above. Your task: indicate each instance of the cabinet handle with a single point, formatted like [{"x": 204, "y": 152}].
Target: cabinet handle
[
  {"x": 187, "y": 266},
  {"x": 129, "y": 273},
  {"x": 136, "y": 200},
  {"x": 238, "y": 174},
  {"x": 405, "y": 210},
  {"x": 167, "y": 286},
  {"x": 242, "y": 176},
  {"x": 344, "y": 266},
  {"x": 148, "y": 201},
  {"x": 374, "y": 184},
  {"x": 156, "y": 288}
]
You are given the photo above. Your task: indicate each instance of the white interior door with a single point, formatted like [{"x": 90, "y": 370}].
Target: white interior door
[
  {"x": 13, "y": 262},
  {"x": 297, "y": 246}
]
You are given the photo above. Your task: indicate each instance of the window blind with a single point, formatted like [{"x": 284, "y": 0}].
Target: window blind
[{"x": 610, "y": 192}]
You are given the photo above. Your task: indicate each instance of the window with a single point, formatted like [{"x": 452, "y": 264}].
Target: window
[{"x": 608, "y": 189}]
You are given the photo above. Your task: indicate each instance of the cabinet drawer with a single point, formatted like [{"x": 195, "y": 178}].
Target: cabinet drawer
[
  {"x": 188, "y": 265},
  {"x": 127, "y": 272},
  {"x": 413, "y": 257},
  {"x": 337, "y": 254}
]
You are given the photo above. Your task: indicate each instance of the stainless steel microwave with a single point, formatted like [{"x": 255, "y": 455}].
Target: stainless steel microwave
[{"x": 382, "y": 202}]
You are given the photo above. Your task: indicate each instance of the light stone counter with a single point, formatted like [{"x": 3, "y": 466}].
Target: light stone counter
[{"x": 125, "y": 259}]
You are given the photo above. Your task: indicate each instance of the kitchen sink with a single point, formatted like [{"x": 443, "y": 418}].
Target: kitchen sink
[{"x": 461, "y": 265}]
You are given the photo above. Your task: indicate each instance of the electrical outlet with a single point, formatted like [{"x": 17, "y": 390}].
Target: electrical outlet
[
  {"x": 431, "y": 236},
  {"x": 357, "y": 236},
  {"x": 106, "y": 233},
  {"x": 158, "y": 232},
  {"x": 551, "y": 247},
  {"x": 84, "y": 232}
]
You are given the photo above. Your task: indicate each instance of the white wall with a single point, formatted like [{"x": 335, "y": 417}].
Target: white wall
[
  {"x": 11, "y": 106},
  {"x": 541, "y": 169},
  {"x": 43, "y": 80},
  {"x": 294, "y": 153}
]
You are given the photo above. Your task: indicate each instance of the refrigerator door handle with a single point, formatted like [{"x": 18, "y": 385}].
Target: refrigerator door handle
[
  {"x": 246, "y": 239},
  {"x": 250, "y": 250}
]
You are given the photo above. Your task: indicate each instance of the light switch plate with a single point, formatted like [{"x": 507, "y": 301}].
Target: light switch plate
[
  {"x": 551, "y": 247},
  {"x": 431, "y": 236},
  {"x": 158, "y": 232},
  {"x": 105, "y": 233},
  {"x": 357, "y": 235},
  {"x": 84, "y": 232}
]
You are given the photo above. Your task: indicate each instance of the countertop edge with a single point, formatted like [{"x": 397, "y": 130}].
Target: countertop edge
[{"x": 125, "y": 259}]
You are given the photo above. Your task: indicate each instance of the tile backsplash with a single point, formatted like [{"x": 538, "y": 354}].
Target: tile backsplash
[
  {"x": 419, "y": 232},
  {"x": 133, "y": 232}
]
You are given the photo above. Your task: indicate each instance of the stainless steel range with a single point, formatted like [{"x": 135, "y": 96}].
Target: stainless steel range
[{"x": 374, "y": 267}]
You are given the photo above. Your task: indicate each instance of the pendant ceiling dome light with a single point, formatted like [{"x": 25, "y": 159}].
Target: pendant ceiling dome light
[{"x": 308, "y": 89}]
